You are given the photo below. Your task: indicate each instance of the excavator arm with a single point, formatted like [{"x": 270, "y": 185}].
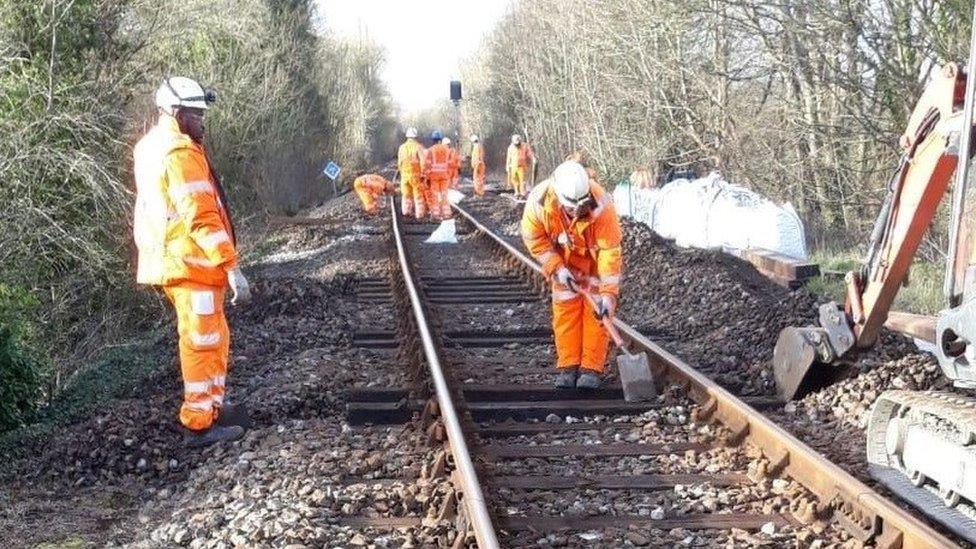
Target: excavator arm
[{"x": 809, "y": 357}]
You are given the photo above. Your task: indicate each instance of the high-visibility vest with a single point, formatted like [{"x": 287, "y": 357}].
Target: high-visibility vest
[
  {"x": 590, "y": 246},
  {"x": 409, "y": 157},
  {"x": 437, "y": 162},
  {"x": 372, "y": 183},
  {"x": 181, "y": 227}
]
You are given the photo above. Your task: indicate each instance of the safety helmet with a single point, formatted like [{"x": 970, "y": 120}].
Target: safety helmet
[
  {"x": 180, "y": 91},
  {"x": 516, "y": 139},
  {"x": 571, "y": 183},
  {"x": 411, "y": 132},
  {"x": 474, "y": 138},
  {"x": 436, "y": 135},
  {"x": 446, "y": 141}
]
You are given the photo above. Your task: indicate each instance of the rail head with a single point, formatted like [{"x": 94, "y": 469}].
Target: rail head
[
  {"x": 473, "y": 497},
  {"x": 829, "y": 482}
]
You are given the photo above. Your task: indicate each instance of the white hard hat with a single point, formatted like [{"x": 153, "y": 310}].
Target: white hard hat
[
  {"x": 571, "y": 183},
  {"x": 180, "y": 91},
  {"x": 474, "y": 138},
  {"x": 446, "y": 141},
  {"x": 411, "y": 132},
  {"x": 516, "y": 138}
]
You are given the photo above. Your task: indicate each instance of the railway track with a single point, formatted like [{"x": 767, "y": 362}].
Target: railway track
[{"x": 536, "y": 466}]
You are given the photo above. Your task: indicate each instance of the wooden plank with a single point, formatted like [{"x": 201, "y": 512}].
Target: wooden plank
[
  {"x": 482, "y": 411},
  {"x": 534, "y": 392},
  {"x": 918, "y": 326},
  {"x": 614, "y": 482},
  {"x": 698, "y": 521},
  {"x": 785, "y": 267},
  {"x": 515, "y": 429},
  {"x": 382, "y": 413},
  {"x": 382, "y": 523},
  {"x": 589, "y": 450}
]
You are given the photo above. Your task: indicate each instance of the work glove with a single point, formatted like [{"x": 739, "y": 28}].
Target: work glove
[
  {"x": 239, "y": 287},
  {"x": 605, "y": 305},
  {"x": 566, "y": 278}
]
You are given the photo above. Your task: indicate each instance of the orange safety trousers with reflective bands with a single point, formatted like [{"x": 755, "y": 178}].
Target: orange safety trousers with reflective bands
[
  {"x": 413, "y": 189},
  {"x": 438, "y": 171}
]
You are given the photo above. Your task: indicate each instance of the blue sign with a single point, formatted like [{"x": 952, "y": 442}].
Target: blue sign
[{"x": 332, "y": 170}]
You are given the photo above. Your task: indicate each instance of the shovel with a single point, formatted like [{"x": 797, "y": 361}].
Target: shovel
[{"x": 635, "y": 370}]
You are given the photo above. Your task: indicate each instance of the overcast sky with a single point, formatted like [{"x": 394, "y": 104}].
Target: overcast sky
[{"x": 425, "y": 40}]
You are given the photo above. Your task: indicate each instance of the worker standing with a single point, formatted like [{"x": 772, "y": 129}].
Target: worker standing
[
  {"x": 455, "y": 164},
  {"x": 183, "y": 230},
  {"x": 478, "y": 166},
  {"x": 370, "y": 188},
  {"x": 519, "y": 166},
  {"x": 413, "y": 198},
  {"x": 437, "y": 172},
  {"x": 570, "y": 226}
]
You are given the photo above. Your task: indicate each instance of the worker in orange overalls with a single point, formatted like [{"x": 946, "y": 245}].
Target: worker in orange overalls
[
  {"x": 370, "y": 188},
  {"x": 455, "y": 164},
  {"x": 413, "y": 189},
  {"x": 185, "y": 237},
  {"x": 571, "y": 228},
  {"x": 519, "y": 166},
  {"x": 437, "y": 172},
  {"x": 478, "y": 166}
]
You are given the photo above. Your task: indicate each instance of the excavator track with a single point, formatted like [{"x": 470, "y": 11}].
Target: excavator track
[{"x": 922, "y": 446}]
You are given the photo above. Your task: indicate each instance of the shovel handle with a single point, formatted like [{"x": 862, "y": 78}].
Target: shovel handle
[{"x": 607, "y": 320}]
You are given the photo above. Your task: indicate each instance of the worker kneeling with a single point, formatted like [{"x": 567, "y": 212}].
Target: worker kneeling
[
  {"x": 571, "y": 228},
  {"x": 183, "y": 230},
  {"x": 370, "y": 188}
]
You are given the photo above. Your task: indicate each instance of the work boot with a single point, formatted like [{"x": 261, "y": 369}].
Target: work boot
[
  {"x": 233, "y": 414},
  {"x": 566, "y": 378},
  {"x": 588, "y": 380},
  {"x": 216, "y": 433}
]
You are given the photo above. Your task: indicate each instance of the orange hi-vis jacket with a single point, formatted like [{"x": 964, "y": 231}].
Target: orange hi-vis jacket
[
  {"x": 518, "y": 157},
  {"x": 409, "y": 158},
  {"x": 589, "y": 247},
  {"x": 181, "y": 228},
  {"x": 437, "y": 163}
]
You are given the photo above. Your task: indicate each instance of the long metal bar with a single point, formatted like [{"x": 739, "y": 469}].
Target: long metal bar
[
  {"x": 474, "y": 499},
  {"x": 802, "y": 463},
  {"x": 962, "y": 172}
]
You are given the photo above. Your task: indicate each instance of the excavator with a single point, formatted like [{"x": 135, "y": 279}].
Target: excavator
[{"x": 920, "y": 444}]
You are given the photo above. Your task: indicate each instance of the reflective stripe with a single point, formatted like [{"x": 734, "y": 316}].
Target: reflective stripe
[
  {"x": 610, "y": 280},
  {"x": 202, "y": 406},
  {"x": 205, "y": 339},
  {"x": 196, "y": 386},
  {"x": 177, "y": 193},
  {"x": 563, "y": 295},
  {"x": 219, "y": 381},
  {"x": 213, "y": 239},
  {"x": 199, "y": 261},
  {"x": 218, "y": 400},
  {"x": 545, "y": 257}
]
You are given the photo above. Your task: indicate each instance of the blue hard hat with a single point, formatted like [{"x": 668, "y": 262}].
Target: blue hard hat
[{"x": 436, "y": 135}]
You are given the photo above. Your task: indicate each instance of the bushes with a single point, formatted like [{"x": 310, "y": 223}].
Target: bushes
[
  {"x": 77, "y": 79},
  {"x": 20, "y": 373}
]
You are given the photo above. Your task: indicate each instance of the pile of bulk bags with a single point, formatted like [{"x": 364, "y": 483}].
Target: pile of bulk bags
[{"x": 710, "y": 212}]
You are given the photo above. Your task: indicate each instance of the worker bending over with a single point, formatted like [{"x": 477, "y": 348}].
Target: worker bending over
[
  {"x": 371, "y": 188},
  {"x": 571, "y": 228},
  {"x": 413, "y": 198},
  {"x": 478, "y": 166},
  {"x": 183, "y": 230},
  {"x": 519, "y": 166},
  {"x": 437, "y": 173}
]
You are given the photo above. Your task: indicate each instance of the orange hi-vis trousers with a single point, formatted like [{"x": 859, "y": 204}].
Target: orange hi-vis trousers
[
  {"x": 413, "y": 196},
  {"x": 581, "y": 339},
  {"x": 439, "y": 205},
  {"x": 478, "y": 174},
  {"x": 204, "y": 350}
]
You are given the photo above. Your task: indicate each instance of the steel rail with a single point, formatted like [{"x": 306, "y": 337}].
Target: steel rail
[
  {"x": 856, "y": 502},
  {"x": 474, "y": 499}
]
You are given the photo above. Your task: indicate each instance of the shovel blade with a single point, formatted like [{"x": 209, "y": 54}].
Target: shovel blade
[{"x": 636, "y": 378}]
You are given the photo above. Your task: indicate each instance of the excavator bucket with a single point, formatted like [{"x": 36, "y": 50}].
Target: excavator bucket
[{"x": 801, "y": 362}]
